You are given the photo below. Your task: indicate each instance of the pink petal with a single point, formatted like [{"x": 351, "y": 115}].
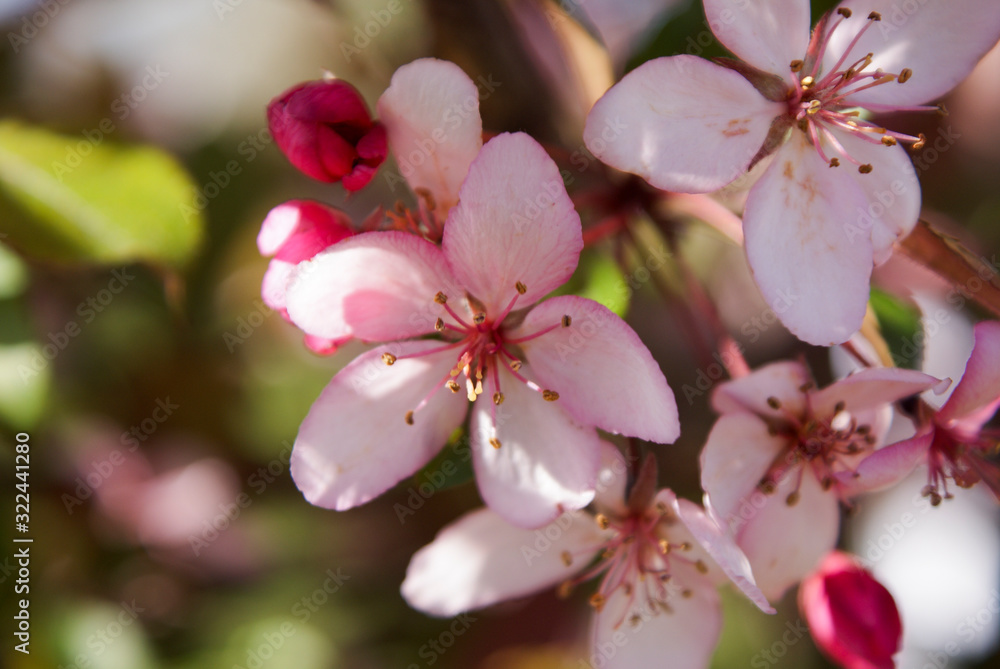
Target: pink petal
[
  {"x": 355, "y": 443},
  {"x": 682, "y": 638},
  {"x": 892, "y": 190},
  {"x": 612, "y": 479},
  {"x": 722, "y": 549},
  {"x": 514, "y": 223},
  {"x": 780, "y": 380},
  {"x": 431, "y": 115},
  {"x": 738, "y": 453},
  {"x": 682, "y": 123},
  {"x": 546, "y": 464},
  {"x": 377, "y": 286},
  {"x": 769, "y": 35},
  {"x": 481, "y": 559},
  {"x": 810, "y": 270},
  {"x": 784, "y": 543},
  {"x": 604, "y": 374},
  {"x": 870, "y": 389},
  {"x": 977, "y": 395},
  {"x": 887, "y": 466},
  {"x": 323, "y": 346},
  {"x": 940, "y": 41},
  {"x": 274, "y": 284}
]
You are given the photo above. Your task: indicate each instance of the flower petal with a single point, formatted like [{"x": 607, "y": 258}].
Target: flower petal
[
  {"x": 940, "y": 41},
  {"x": 738, "y": 453},
  {"x": 681, "y": 123},
  {"x": 634, "y": 632},
  {"x": 977, "y": 395},
  {"x": 870, "y": 389},
  {"x": 887, "y": 466},
  {"x": 722, "y": 549},
  {"x": 546, "y": 464},
  {"x": 431, "y": 115},
  {"x": 784, "y": 543},
  {"x": 892, "y": 190},
  {"x": 780, "y": 380},
  {"x": 355, "y": 444},
  {"x": 811, "y": 271},
  {"x": 604, "y": 374},
  {"x": 514, "y": 223},
  {"x": 377, "y": 286},
  {"x": 768, "y": 34},
  {"x": 612, "y": 479},
  {"x": 481, "y": 559}
]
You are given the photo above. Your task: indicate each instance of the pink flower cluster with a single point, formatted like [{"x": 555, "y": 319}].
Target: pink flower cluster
[{"x": 454, "y": 293}]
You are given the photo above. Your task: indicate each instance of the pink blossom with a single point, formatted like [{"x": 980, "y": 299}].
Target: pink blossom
[
  {"x": 839, "y": 190},
  {"x": 325, "y": 130},
  {"x": 293, "y": 232},
  {"x": 783, "y": 454},
  {"x": 951, "y": 440},
  {"x": 549, "y": 371},
  {"x": 851, "y": 616},
  {"x": 659, "y": 559}
]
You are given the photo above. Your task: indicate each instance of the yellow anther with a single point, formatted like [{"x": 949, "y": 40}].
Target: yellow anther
[
  {"x": 701, "y": 566},
  {"x": 602, "y": 521},
  {"x": 874, "y": 16},
  {"x": 453, "y": 386},
  {"x": 566, "y": 321},
  {"x": 664, "y": 546},
  {"x": 597, "y": 600},
  {"x": 921, "y": 141},
  {"x": 904, "y": 75},
  {"x": 550, "y": 395},
  {"x": 685, "y": 546},
  {"x": 834, "y": 162},
  {"x": 498, "y": 398},
  {"x": 888, "y": 140},
  {"x": 439, "y": 325},
  {"x": 495, "y": 443},
  {"x": 409, "y": 418},
  {"x": 521, "y": 288},
  {"x": 565, "y": 589},
  {"x": 567, "y": 559},
  {"x": 845, "y": 12},
  {"x": 808, "y": 81},
  {"x": 441, "y": 298},
  {"x": 865, "y": 169},
  {"x": 479, "y": 318},
  {"x": 796, "y": 65},
  {"x": 388, "y": 358},
  {"x": 814, "y": 106},
  {"x": 793, "y": 498},
  {"x": 515, "y": 365}
]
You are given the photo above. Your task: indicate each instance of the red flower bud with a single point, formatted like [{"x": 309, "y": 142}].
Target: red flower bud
[
  {"x": 325, "y": 130},
  {"x": 852, "y": 617}
]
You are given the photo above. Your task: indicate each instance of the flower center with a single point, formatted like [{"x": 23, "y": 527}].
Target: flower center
[
  {"x": 819, "y": 103},
  {"x": 483, "y": 345},
  {"x": 961, "y": 458},
  {"x": 636, "y": 559},
  {"x": 829, "y": 445}
]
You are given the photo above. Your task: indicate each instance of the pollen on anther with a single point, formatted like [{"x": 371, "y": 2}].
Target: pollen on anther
[
  {"x": 566, "y": 321},
  {"x": 567, "y": 559},
  {"x": 453, "y": 385},
  {"x": 388, "y": 358},
  {"x": 701, "y": 566},
  {"x": 796, "y": 65},
  {"x": 597, "y": 600},
  {"x": 773, "y": 402},
  {"x": 845, "y": 12},
  {"x": 834, "y": 162},
  {"x": 664, "y": 546},
  {"x": 521, "y": 288},
  {"x": 440, "y": 298},
  {"x": 602, "y": 521},
  {"x": 439, "y": 325},
  {"x": 495, "y": 443},
  {"x": 515, "y": 365},
  {"x": 904, "y": 75},
  {"x": 888, "y": 140},
  {"x": 874, "y": 16},
  {"x": 865, "y": 169},
  {"x": 479, "y": 318},
  {"x": 793, "y": 498},
  {"x": 409, "y": 418},
  {"x": 808, "y": 81},
  {"x": 498, "y": 398},
  {"x": 921, "y": 141},
  {"x": 550, "y": 395}
]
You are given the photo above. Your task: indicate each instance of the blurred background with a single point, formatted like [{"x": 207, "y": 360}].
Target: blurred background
[{"x": 162, "y": 396}]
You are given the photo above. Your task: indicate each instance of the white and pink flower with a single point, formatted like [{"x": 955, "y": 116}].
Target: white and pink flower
[
  {"x": 840, "y": 190},
  {"x": 659, "y": 560},
  {"x": 783, "y": 455},
  {"x": 550, "y": 370}
]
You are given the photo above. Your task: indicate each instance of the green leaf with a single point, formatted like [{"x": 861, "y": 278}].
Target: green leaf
[
  {"x": 449, "y": 468},
  {"x": 86, "y": 199},
  {"x": 599, "y": 278},
  {"x": 901, "y": 328}
]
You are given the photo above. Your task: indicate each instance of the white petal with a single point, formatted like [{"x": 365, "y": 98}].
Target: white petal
[
  {"x": 768, "y": 34},
  {"x": 355, "y": 443},
  {"x": 682, "y": 123},
  {"x": 481, "y": 559}
]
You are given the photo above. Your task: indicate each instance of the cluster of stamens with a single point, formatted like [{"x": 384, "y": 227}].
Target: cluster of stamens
[
  {"x": 963, "y": 459},
  {"x": 636, "y": 559},
  {"x": 829, "y": 445},
  {"x": 818, "y": 103},
  {"x": 482, "y": 345}
]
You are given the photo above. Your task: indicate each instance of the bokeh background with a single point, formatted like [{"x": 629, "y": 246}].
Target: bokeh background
[{"x": 162, "y": 397}]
